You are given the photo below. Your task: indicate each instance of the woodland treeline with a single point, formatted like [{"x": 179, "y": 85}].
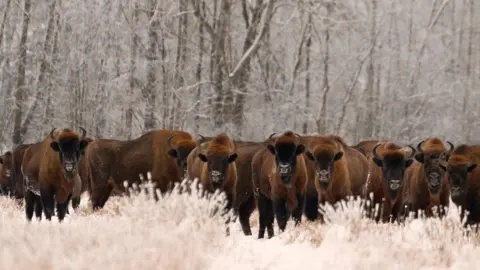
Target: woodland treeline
[{"x": 400, "y": 69}]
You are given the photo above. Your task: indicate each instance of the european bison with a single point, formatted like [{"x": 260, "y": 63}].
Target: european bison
[
  {"x": 214, "y": 166},
  {"x": 161, "y": 152},
  {"x": 50, "y": 169},
  {"x": 279, "y": 175},
  {"x": 387, "y": 177},
  {"x": 337, "y": 170},
  {"x": 6, "y": 173},
  {"x": 428, "y": 187},
  {"x": 464, "y": 180}
]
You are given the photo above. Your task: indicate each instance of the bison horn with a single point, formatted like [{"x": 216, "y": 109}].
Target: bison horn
[
  {"x": 51, "y": 134},
  {"x": 374, "y": 151},
  {"x": 201, "y": 139},
  {"x": 84, "y": 133},
  {"x": 451, "y": 146},
  {"x": 419, "y": 146},
  {"x": 298, "y": 135},
  {"x": 169, "y": 140},
  {"x": 271, "y": 136},
  {"x": 412, "y": 151}
]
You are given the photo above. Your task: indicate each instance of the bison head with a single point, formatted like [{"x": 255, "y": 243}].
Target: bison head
[
  {"x": 69, "y": 146},
  {"x": 393, "y": 163},
  {"x": 286, "y": 151},
  {"x": 324, "y": 163},
  {"x": 217, "y": 164},
  {"x": 430, "y": 159},
  {"x": 458, "y": 168},
  {"x": 180, "y": 152},
  {"x": 6, "y": 164}
]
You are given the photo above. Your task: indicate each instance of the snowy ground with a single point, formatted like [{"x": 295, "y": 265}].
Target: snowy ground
[{"x": 177, "y": 233}]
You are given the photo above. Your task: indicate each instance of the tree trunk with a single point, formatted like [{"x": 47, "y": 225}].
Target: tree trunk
[
  {"x": 307, "y": 76},
  {"x": 20, "y": 87},
  {"x": 45, "y": 70},
  {"x": 198, "y": 72},
  {"x": 150, "y": 93},
  {"x": 132, "y": 76}
]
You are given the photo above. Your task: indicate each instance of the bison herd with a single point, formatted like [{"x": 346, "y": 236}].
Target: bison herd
[{"x": 285, "y": 176}]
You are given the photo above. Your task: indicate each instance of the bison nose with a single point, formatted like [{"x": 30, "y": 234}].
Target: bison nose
[
  {"x": 216, "y": 177},
  {"x": 323, "y": 176},
  {"x": 69, "y": 166},
  {"x": 8, "y": 173},
  {"x": 284, "y": 168},
  {"x": 394, "y": 184}
]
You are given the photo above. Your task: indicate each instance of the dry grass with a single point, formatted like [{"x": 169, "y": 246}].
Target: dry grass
[{"x": 178, "y": 233}]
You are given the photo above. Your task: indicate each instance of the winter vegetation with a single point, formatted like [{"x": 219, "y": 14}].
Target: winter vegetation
[{"x": 402, "y": 70}]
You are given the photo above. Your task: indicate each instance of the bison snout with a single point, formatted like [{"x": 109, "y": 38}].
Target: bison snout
[
  {"x": 284, "y": 168},
  {"x": 394, "y": 184},
  {"x": 8, "y": 173},
  {"x": 216, "y": 177},
  {"x": 456, "y": 192},
  {"x": 69, "y": 166}
]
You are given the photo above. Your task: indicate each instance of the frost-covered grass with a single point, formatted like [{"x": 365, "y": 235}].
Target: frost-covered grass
[{"x": 178, "y": 232}]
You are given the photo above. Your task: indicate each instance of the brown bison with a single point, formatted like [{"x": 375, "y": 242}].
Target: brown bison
[
  {"x": 387, "y": 177},
  {"x": 427, "y": 185},
  {"x": 279, "y": 174},
  {"x": 6, "y": 173},
  {"x": 464, "y": 180},
  {"x": 111, "y": 162},
  {"x": 336, "y": 169},
  {"x": 214, "y": 165},
  {"x": 11, "y": 174},
  {"x": 50, "y": 169}
]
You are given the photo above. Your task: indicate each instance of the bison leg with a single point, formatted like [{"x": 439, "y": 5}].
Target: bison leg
[
  {"x": 62, "y": 210},
  {"x": 75, "y": 203},
  {"x": 29, "y": 204},
  {"x": 311, "y": 207},
  {"x": 244, "y": 212},
  {"x": 38, "y": 207},
  {"x": 100, "y": 195},
  {"x": 281, "y": 213},
  {"x": 48, "y": 202},
  {"x": 265, "y": 215},
  {"x": 297, "y": 213}
]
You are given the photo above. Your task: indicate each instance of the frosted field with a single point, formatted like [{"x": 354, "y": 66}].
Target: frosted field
[{"x": 177, "y": 233}]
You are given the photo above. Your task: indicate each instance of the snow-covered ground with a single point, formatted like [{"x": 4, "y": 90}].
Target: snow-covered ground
[{"x": 177, "y": 233}]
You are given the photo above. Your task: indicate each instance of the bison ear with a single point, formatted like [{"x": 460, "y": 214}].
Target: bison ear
[
  {"x": 232, "y": 157},
  {"x": 310, "y": 155},
  {"x": 408, "y": 163},
  {"x": 172, "y": 152},
  {"x": 271, "y": 148},
  {"x": 83, "y": 144},
  {"x": 300, "y": 149},
  {"x": 419, "y": 157},
  {"x": 378, "y": 162},
  {"x": 54, "y": 146},
  {"x": 1, "y": 160},
  {"x": 471, "y": 167},
  {"x": 202, "y": 157},
  {"x": 338, "y": 156}
]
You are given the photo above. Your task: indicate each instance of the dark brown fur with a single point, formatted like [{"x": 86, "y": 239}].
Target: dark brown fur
[
  {"x": 279, "y": 174},
  {"x": 389, "y": 163},
  {"x": 111, "y": 162},
  {"x": 464, "y": 180},
  {"x": 6, "y": 173},
  {"x": 427, "y": 184},
  {"x": 345, "y": 169},
  {"x": 46, "y": 175}
]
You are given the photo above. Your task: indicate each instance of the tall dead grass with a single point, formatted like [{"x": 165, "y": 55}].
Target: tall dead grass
[{"x": 183, "y": 231}]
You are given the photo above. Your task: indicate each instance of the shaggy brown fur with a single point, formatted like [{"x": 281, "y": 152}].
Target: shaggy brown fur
[
  {"x": 161, "y": 152},
  {"x": 388, "y": 163},
  {"x": 464, "y": 180},
  {"x": 336, "y": 169},
  {"x": 427, "y": 185},
  {"x": 50, "y": 172},
  {"x": 83, "y": 173},
  {"x": 365, "y": 147},
  {"x": 13, "y": 162},
  {"x": 279, "y": 174}
]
